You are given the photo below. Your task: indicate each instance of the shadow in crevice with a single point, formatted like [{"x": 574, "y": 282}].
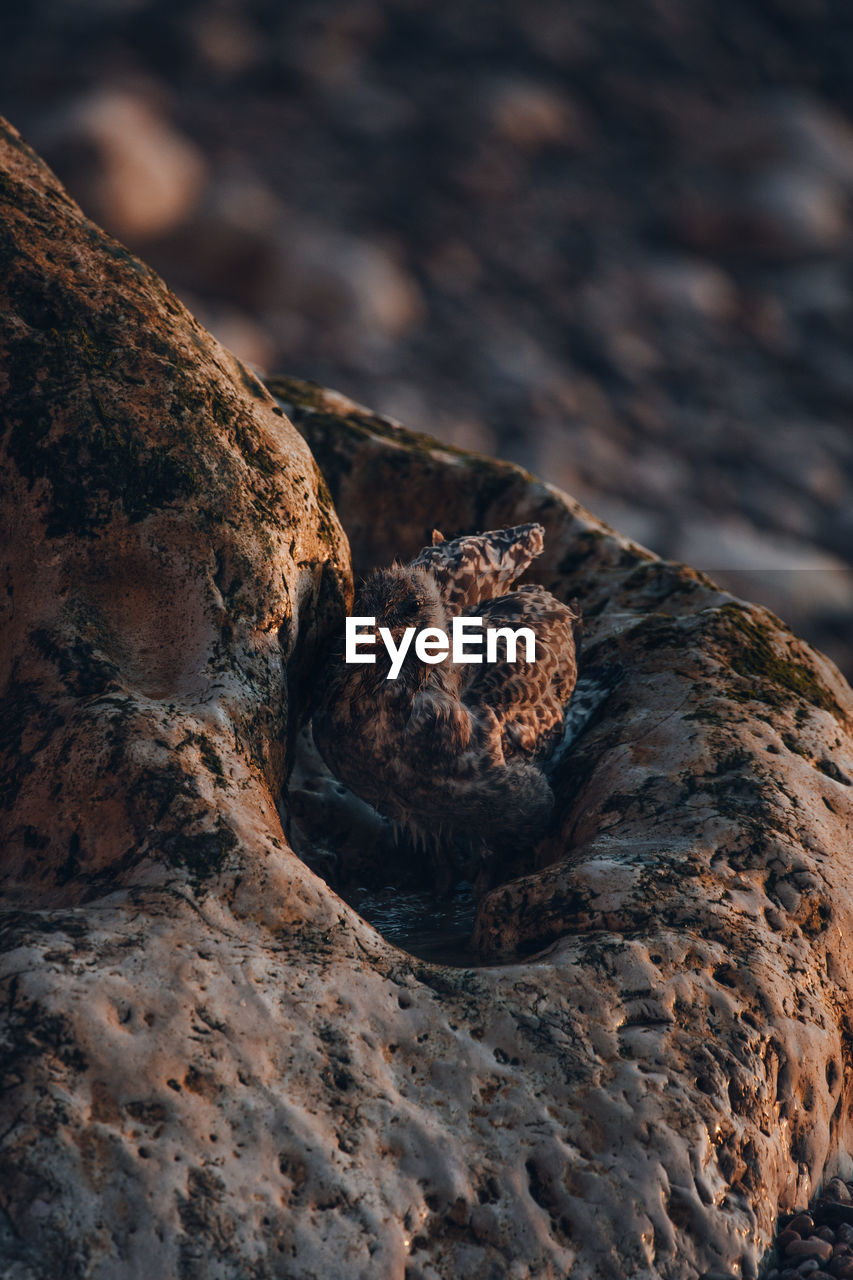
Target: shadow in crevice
[{"x": 420, "y": 899}]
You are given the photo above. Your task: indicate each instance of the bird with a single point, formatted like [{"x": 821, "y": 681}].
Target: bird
[{"x": 452, "y": 750}]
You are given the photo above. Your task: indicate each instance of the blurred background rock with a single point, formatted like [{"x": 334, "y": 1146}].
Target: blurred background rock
[{"x": 609, "y": 239}]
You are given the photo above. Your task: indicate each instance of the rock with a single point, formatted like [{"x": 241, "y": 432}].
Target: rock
[
  {"x": 212, "y": 1066},
  {"x": 817, "y": 136},
  {"x": 530, "y": 116},
  {"x": 811, "y": 1248},
  {"x": 793, "y": 577},
  {"x": 802, "y": 1224},
  {"x": 370, "y": 182},
  {"x": 690, "y": 285},
  {"x": 156, "y": 476},
  {"x": 134, "y": 171},
  {"x": 799, "y": 210},
  {"x": 643, "y": 900},
  {"x": 349, "y": 285}
]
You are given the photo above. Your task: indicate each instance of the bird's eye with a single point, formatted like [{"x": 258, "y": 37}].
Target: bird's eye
[{"x": 410, "y": 606}]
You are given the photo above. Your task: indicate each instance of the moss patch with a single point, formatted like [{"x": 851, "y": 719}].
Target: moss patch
[
  {"x": 751, "y": 650},
  {"x": 201, "y": 854}
]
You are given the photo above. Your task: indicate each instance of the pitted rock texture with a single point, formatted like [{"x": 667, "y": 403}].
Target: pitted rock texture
[
  {"x": 694, "y": 892},
  {"x": 169, "y": 549},
  {"x": 211, "y": 1066}
]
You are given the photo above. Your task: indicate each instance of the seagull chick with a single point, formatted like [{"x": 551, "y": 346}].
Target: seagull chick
[{"x": 450, "y": 746}]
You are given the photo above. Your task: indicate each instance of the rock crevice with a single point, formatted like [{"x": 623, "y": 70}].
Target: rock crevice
[{"x": 212, "y": 1066}]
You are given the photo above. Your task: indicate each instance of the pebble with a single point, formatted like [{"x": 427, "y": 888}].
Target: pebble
[
  {"x": 811, "y": 1248},
  {"x": 803, "y": 1224},
  {"x": 144, "y": 177}
]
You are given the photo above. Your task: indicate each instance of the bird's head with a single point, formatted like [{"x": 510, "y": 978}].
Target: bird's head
[{"x": 399, "y": 598}]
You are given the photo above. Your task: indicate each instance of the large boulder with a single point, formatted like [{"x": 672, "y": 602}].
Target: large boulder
[
  {"x": 169, "y": 550},
  {"x": 211, "y": 1065}
]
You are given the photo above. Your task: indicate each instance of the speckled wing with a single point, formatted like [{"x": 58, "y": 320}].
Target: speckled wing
[
  {"x": 528, "y": 698},
  {"x": 479, "y": 567}
]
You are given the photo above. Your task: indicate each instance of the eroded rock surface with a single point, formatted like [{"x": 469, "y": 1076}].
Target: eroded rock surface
[
  {"x": 694, "y": 892},
  {"x": 211, "y": 1066},
  {"x": 169, "y": 547}
]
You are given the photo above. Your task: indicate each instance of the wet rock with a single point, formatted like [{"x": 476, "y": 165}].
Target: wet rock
[{"x": 810, "y": 1248}]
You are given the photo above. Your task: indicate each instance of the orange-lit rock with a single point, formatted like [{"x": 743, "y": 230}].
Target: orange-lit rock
[{"x": 211, "y": 1066}]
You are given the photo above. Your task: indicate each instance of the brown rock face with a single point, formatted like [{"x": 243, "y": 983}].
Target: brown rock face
[
  {"x": 210, "y": 1065},
  {"x": 166, "y": 541}
]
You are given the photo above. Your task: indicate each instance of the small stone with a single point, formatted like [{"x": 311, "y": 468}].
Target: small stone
[
  {"x": 809, "y": 1267},
  {"x": 530, "y": 116},
  {"x": 691, "y": 285},
  {"x": 803, "y": 1224},
  {"x": 798, "y": 212},
  {"x": 785, "y": 1238},
  {"x": 825, "y": 1233},
  {"x": 836, "y": 1189},
  {"x": 844, "y": 1233},
  {"x": 142, "y": 177},
  {"x": 811, "y": 1248}
]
